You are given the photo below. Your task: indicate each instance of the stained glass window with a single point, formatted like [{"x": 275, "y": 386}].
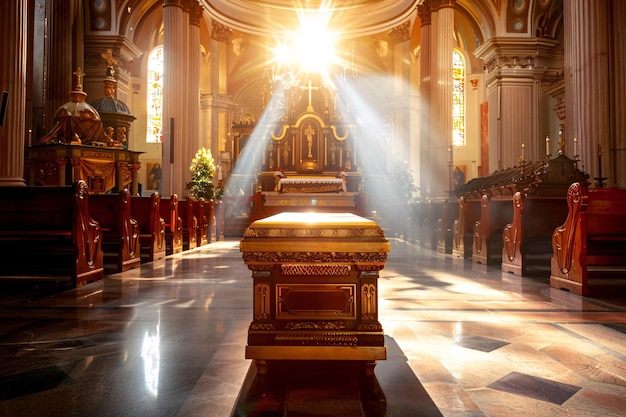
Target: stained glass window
[
  {"x": 458, "y": 99},
  {"x": 154, "y": 131}
]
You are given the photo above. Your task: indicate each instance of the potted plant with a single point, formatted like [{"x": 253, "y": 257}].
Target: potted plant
[{"x": 202, "y": 171}]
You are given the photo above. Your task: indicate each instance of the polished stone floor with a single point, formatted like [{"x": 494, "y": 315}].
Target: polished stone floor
[{"x": 168, "y": 339}]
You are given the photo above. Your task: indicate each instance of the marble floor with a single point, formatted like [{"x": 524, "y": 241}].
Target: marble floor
[{"x": 168, "y": 339}]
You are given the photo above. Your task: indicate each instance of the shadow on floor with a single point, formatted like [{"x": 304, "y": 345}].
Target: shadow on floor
[{"x": 335, "y": 389}]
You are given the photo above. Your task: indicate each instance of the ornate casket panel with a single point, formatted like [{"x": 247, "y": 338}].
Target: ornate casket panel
[{"x": 315, "y": 287}]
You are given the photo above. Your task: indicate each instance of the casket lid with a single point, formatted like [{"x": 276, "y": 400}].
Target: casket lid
[{"x": 314, "y": 231}]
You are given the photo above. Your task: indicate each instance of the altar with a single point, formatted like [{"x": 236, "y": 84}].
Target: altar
[
  {"x": 311, "y": 185},
  {"x": 315, "y": 288}
]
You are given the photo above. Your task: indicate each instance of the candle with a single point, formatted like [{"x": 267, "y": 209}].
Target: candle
[
  {"x": 548, "y": 145},
  {"x": 599, "y": 161},
  {"x": 575, "y": 147},
  {"x": 522, "y": 151}
]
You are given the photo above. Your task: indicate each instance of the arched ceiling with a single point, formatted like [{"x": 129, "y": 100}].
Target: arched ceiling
[{"x": 352, "y": 17}]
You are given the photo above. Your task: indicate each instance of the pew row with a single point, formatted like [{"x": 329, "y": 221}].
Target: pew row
[
  {"x": 147, "y": 212},
  {"x": 48, "y": 233},
  {"x": 528, "y": 238},
  {"x": 463, "y": 227},
  {"x": 589, "y": 249},
  {"x": 487, "y": 245},
  {"x": 190, "y": 223},
  {"x": 200, "y": 211},
  {"x": 445, "y": 225},
  {"x": 173, "y": 225},
  {"x": 120, "y": 231}
]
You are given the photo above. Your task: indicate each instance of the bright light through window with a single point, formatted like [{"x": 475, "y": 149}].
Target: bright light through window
[
  {"x": 458, "y": 99},
  {"x": 311, "y": 48},
  {"x": 154, "y": 129}
]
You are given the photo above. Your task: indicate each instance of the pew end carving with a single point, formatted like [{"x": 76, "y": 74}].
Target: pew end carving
[{"x": 589, "y": 249}]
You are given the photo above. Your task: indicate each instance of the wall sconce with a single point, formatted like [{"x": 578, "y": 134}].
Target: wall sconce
[{"x": 474, "y": 83}]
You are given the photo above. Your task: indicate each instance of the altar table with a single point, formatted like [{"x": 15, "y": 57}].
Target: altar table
[{"x": 315, "y": 292}]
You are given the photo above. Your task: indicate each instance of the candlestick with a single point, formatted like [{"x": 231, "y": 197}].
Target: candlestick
[
  {"x": 575, "y": 147},
  {"x": 548, "y": 145},
  {"x": 522, "y": 151},
  {"x": 599, "y": 160}
]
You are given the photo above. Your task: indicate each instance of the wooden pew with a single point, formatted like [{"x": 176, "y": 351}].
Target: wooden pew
[
  {"x": 120, "y": 231},
  {"x": 173, "y": 225},
  {"x": 589, "y": 249},
  {"x": 209, "y": 210},
  {"x": 202, "y": 237},
  {"x": 48, "y": 233},
  {"x": 495, "y": 213},
  {"x": 528, "y": 238},
  {"x": 445, "y": 234},
  {"x": 463, "y": 227},
  {"x": 147, "y": 212},
  {"x": 429, "y": 227},
  {"x": 190, "y": 223}
]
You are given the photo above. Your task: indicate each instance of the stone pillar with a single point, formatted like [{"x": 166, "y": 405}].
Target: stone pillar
[
  {"x": 587, "y": 81},
  {"x": 618, "y": 77},
  {"x": 425, "y": 85},
  {"x": 174, "y": 82},
  {"x": 513, "y": 71},
  {"x": 59, "y": 59},
  {"x": 193, "y": 98},
  {"x": 441, "y": 96},
  {"x": 399, "y": 120},
  {"x": 14, "y": 51}
]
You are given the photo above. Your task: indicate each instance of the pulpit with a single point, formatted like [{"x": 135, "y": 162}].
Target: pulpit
[
  {"x": 103, "y": 168},
  {"x": 315, "y": 286}
]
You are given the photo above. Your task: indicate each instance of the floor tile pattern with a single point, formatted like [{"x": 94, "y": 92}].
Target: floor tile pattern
[{"x": 168, "y": 339}]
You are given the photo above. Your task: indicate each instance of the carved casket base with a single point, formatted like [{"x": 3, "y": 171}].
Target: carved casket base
[{"x": 315, "y": 288}]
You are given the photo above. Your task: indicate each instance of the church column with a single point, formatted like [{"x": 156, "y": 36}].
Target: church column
[
  {"x": 513, "y": 71},
  {"x": 195, "y": 142},
  {"x": 400, "y": 128},
  {"x": 587, "y": 81},
  {"x": 618, "y": 174},
  {"x": 425, "y": 85},
  {"x": 59, "y": 59},
  {"x": 441, "y": 96},
  {"x": 174, "y": 25},
  {"x": 14, "y": 49},
  {"x": 217, "y": 104}
]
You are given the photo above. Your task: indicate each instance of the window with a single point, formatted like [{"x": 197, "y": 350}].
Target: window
[
  {"x": 154, "y": 131},
  {"x": 458, "y": 99}
]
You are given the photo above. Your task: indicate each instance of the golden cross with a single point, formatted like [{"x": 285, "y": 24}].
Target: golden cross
[
  {"x": 109, "y": 58},
  {"x": 79, "y": 78},
  {"x": 310, "y": 88}
]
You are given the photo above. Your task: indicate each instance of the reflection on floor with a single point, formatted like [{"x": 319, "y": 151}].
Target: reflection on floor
[{"x": 168, "y": 339}]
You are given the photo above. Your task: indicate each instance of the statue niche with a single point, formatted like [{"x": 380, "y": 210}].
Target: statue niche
[{"x": 310, "y": 133}]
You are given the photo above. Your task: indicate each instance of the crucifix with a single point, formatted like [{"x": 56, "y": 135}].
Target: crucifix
[
  {"x": 309, "y": 132},
  {"x": 79, "y": 79},
  {"x": 310, "y": 88}
]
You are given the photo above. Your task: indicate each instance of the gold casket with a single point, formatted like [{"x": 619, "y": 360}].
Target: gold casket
[{"x": 315, "y": 288}]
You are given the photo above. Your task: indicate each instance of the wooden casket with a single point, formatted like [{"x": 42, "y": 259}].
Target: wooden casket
[{"x": 315, "y": 288}]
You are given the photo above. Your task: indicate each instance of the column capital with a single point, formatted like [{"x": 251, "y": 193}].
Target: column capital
[
  {"x": 220, "y": 32},
  {"x": 400, "y": 33},
  {"x": 423, "y": 11},
  {"x": 442, "y": 4},
  {"x": 195, "y": 13}
]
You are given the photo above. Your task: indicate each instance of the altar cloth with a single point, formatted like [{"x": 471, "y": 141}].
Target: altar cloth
[
  {"x": 311, "y": 185},
  {"x": 315, "y": 286}
]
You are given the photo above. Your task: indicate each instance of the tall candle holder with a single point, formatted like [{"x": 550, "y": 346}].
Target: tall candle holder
[{"x": 600, "y": 179}]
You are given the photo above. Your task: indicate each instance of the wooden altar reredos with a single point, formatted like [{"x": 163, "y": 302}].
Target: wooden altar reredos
[{"x": 310, "y": 131}]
